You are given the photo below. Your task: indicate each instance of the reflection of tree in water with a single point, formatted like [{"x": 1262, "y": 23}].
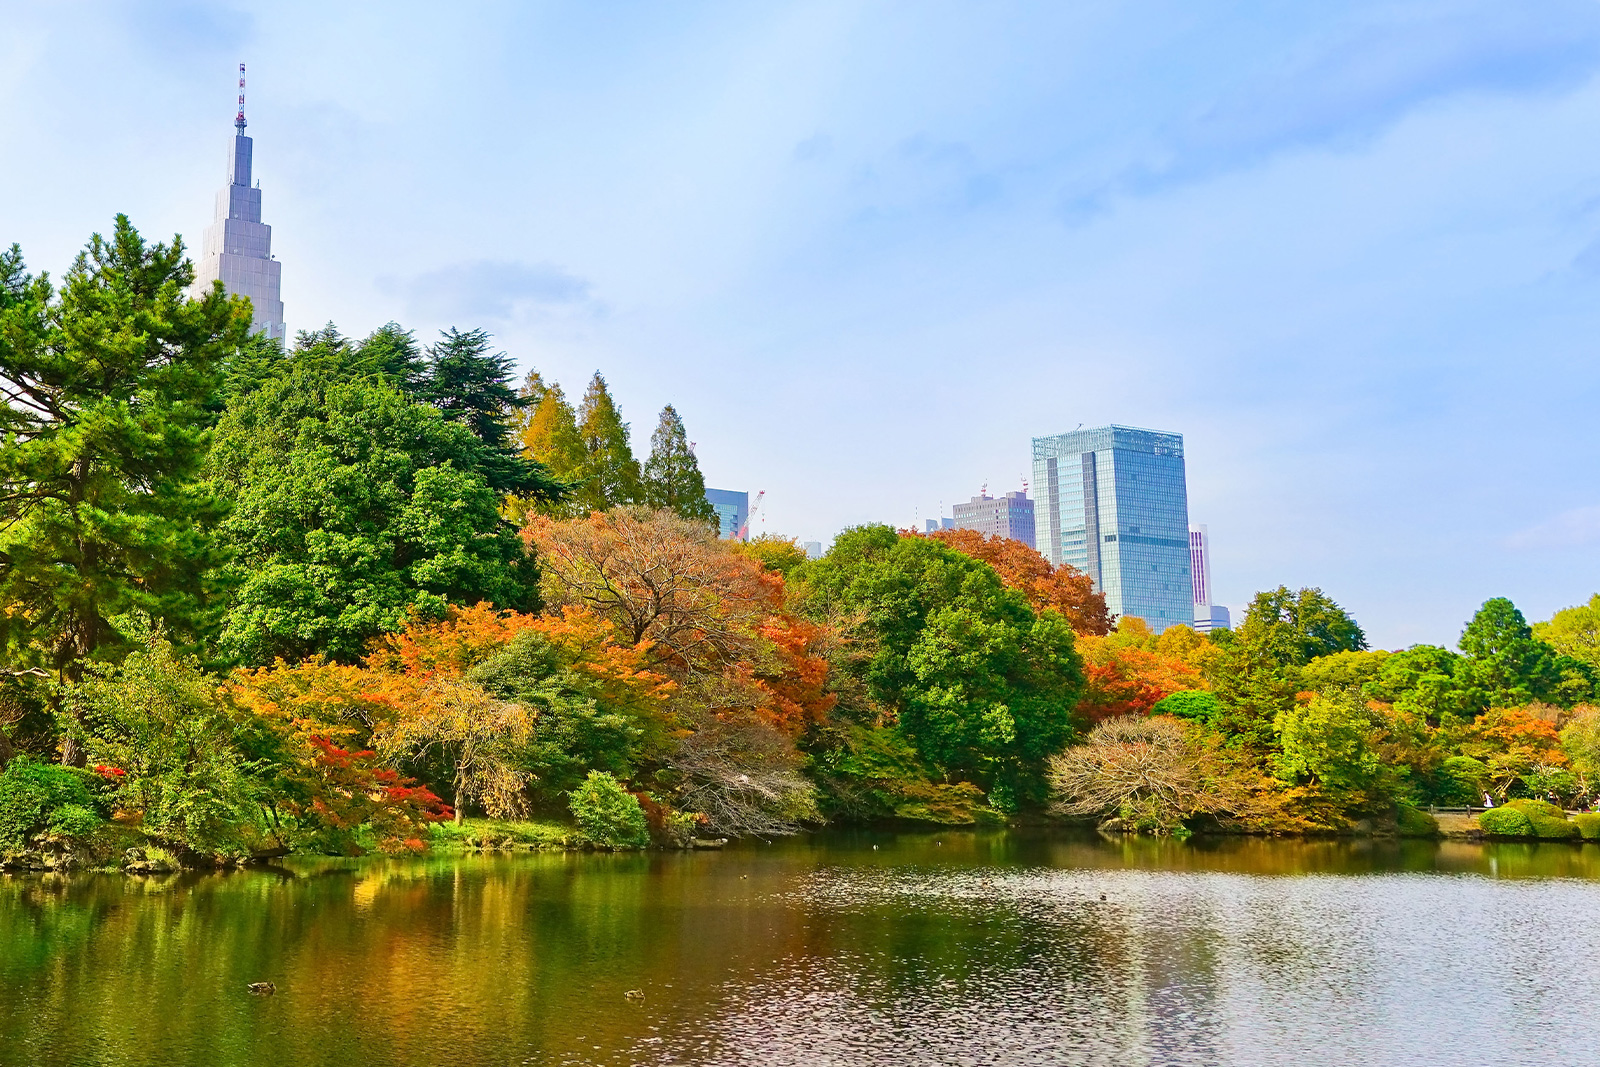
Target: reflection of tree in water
[
  {"x": 972, "y": 967},
  {"x": 983, "y": 948}
]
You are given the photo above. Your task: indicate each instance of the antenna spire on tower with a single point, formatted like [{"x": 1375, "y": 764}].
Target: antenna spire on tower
[{"x": 239, "y": 119}]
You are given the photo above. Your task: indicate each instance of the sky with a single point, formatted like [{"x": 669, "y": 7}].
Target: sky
[{"x": 868, "y": 250}]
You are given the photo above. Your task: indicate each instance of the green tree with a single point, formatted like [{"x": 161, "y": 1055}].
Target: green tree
[
  {"x": 354, "y": 507},
  {"x": 110, "y": 390},
  {"x": 611, "y": 474},
  {"x": 980, "y": 684},
  {"x": 195, "y": 767},
  {"x": 672, "y": 477},
  {"x": 1329, "y": 741},
  {"x": 1574, "y": 632},
  {"x": 1304, "y": 625},
  {"x": 470, "y": 384},
  {"x": 393, "y": 352},
  {"x": 1509, "y": 665},
  {"x": 1429, "y": 681},
  {"x": 1196, "y": 705}
]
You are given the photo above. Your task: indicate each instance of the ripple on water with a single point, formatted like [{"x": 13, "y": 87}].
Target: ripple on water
[{"x": 1032, "y": 967}]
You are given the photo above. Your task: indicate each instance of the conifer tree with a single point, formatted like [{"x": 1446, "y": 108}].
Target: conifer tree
[
  {"x": 394, "y": 353},
  {"x": 110, "y": 389},
  {"x": 672, "y": 477},
  {"x": 611, "y": 473},
  {"x": 471, "y": 384},
  {"x": 549, "y": 435}
]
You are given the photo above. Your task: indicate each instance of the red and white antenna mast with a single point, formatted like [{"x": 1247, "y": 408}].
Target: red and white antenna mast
[{"x": 238, "y": 120}]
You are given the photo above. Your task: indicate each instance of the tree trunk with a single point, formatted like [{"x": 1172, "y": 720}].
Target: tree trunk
[
  {"x": 460, "y": 800},
  {"x": 7, "y": 752}
]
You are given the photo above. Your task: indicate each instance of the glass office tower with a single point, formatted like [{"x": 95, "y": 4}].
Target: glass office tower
[{"x": 1114, "y": 503}]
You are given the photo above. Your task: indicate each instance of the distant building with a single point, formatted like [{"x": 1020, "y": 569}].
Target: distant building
[
  {"x": 1114, "y": 503},
  {"x": 1207, "y": 616},
  {"x": 1007, "y": 516},
  {"x": 237, "y": 248},
  {"x": 732, "y": 508},
  {"x": 812, "y": 549},
  {"x": 930, "y": 525}
]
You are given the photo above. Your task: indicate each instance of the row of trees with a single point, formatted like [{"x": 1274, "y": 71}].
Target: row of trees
[
  {"x": 254, "y": 599},
  {"x": 1290, "y": 722}
]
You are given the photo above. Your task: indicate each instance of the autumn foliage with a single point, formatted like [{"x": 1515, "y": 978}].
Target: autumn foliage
[
  {"x": 1130, "y": 671},
  {"x": 1064, "y": 588}
]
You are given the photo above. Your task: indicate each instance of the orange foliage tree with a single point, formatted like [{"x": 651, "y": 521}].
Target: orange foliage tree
[
  {"x": 750, "y": 675},
  {"x": 708, "y": 616},
  {"x": 412, "y": 702},
  {"x": 1064, "y": 588},
  {"x": 1513, "y": 742},
  {"x": 1130, "y": 671}
]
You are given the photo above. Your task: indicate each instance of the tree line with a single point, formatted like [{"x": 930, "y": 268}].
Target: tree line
[{"x": 257, "y": 599}]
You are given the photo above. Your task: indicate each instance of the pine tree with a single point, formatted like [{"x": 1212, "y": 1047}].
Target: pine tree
[
  {"x": 672, "y": 477},
  {"x": 611, "y": 474},
  {"x": 111, "y": 389}
]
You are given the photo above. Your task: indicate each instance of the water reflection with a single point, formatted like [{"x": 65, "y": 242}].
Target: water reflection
[{"x": 934, "y": 948}]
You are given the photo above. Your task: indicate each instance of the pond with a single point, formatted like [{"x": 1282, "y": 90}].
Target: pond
[{"x": 999, "y": 947}]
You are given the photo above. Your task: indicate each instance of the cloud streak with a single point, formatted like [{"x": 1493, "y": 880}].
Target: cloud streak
[
  {"x": 1351, "y": 84},
  {"x": 490, "y": 290}
]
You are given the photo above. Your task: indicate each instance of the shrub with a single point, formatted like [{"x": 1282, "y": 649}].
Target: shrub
[
  {"x": 1413, "y": 822},
  {"x": 1505, "y": 822},
  {"x": 1196, "y": 705},
  {"x": 1546, "y": 820},
  {"x": 44, "y": 797},
  {"x": 1588, "y": 825},
  {"x": 608, "y": 814}
]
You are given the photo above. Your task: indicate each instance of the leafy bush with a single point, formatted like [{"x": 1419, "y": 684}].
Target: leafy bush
[
  {"x": 1547, "y": 820},
  {"x": 1413, "y": 822},
  {"x": 1588, "y": 825},
  {"x": 1196, "y": 705},
  {"x": 1505, "y": 822},
  {"x": 608, "y": 814},
  {"x": 158, "y": 717},
  {"x": 40, "y": 798}
]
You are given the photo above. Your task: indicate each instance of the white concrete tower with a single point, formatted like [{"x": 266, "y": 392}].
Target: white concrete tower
[{"x": 238, "y": 246}]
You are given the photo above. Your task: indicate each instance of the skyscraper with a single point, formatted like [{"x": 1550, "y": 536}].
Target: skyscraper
[
  {"x": 1114, "y": 503},
  {"x": 1007, "y": 516},
  {"x": 238, "y": 246},
  {"x": 1207, "y": 616},
  {"x": 733, "y": 510}
]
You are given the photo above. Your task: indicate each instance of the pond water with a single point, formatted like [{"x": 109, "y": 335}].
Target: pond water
[{"x": 841, "y": 948}]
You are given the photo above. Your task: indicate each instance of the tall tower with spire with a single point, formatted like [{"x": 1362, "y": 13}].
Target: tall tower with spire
[{"x": 238, "y": 245}]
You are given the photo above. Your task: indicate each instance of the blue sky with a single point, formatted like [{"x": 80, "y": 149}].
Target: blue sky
[{"x": 1351, "y": 251}]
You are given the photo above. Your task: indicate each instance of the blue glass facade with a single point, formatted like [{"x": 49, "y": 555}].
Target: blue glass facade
[
  {"x": 1114, "y": 503},
  {"x": 732, "y": 508}
]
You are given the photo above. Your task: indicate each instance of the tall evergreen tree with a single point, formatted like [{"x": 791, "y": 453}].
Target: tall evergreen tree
[
  {"x": 110, "y": 390},
  {"x": 394, "y": 353},
  {"x": 611, "y": 474},
  {"x": 672, "y": 477},
  {"x": 471, "y": 384}
]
